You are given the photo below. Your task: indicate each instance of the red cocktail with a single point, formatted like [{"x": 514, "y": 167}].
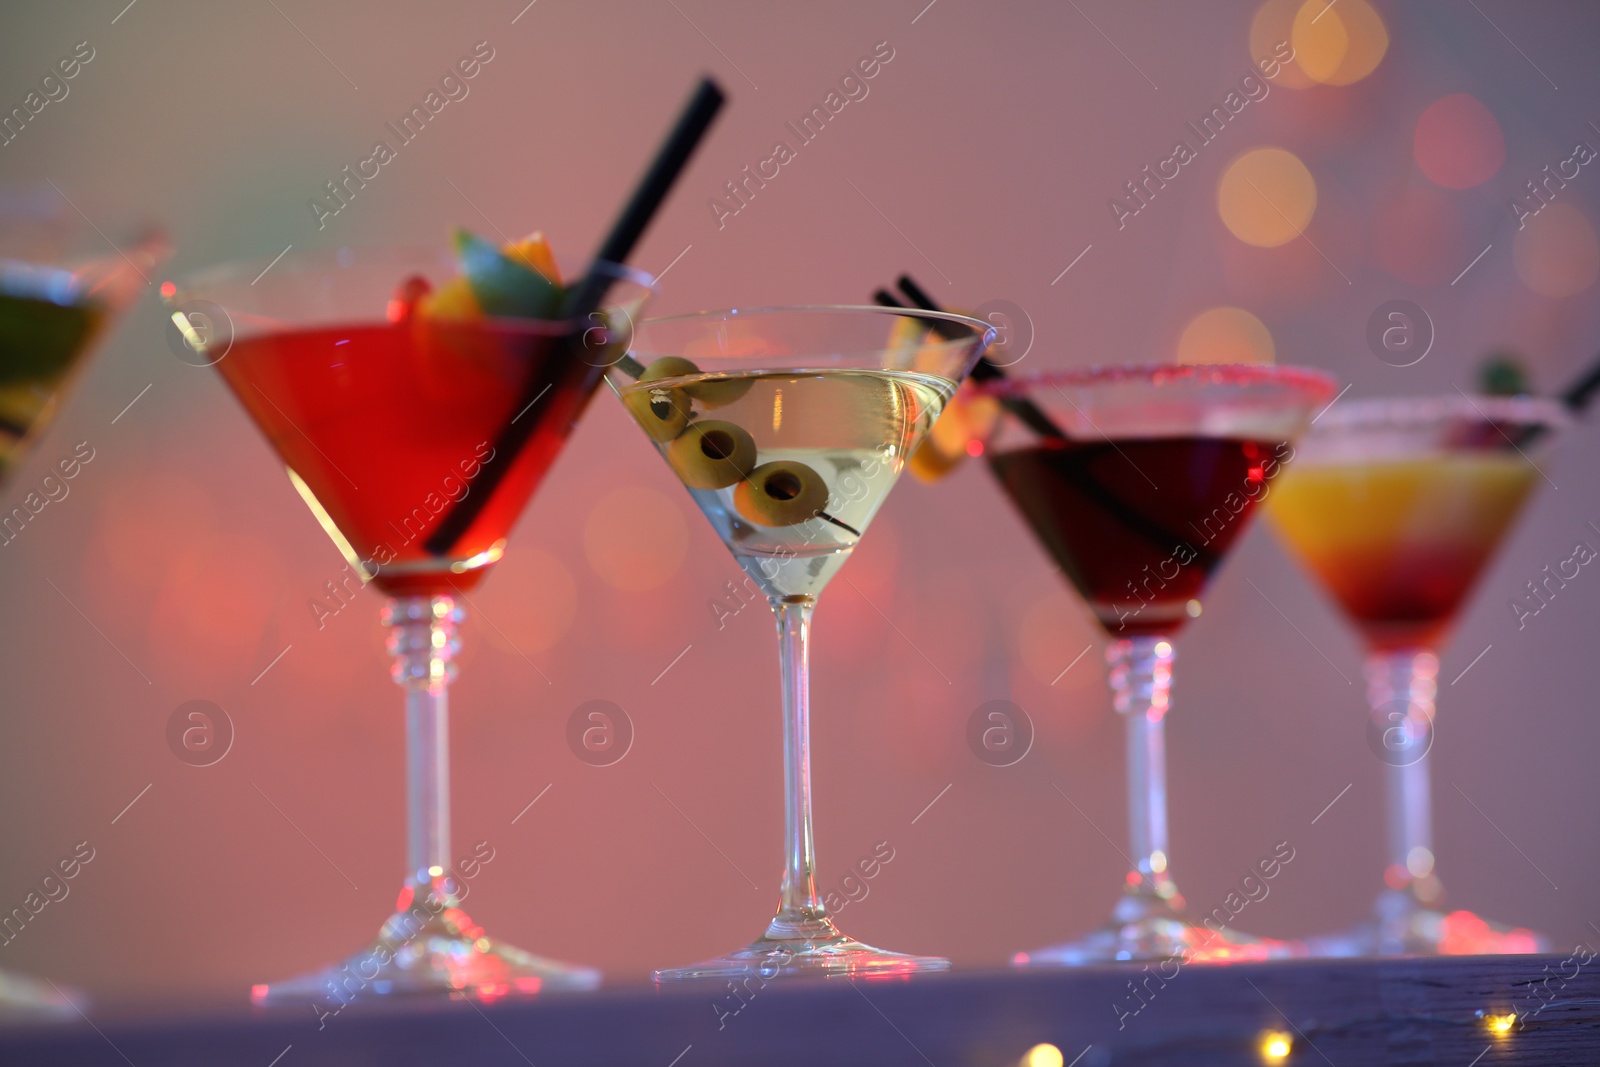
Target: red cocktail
[
  {"x": 386, "y": 389},
  {"x": 1139, "y": 525}
]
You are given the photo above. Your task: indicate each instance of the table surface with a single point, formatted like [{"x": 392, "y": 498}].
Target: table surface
[{"x": 1348, "y": 1013}]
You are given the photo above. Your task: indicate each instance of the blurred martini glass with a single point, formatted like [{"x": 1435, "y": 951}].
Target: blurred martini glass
[
  {"x": 384, "y": 418},
  {"x": 60, "y": 287},
  {"x": 1138, "y": 480},
  {"x": 788, "y": 427},
  {"x": 1396, "y": 505}
]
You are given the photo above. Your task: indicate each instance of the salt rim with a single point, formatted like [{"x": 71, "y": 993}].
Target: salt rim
[
  {"x": 1417, "y": 412},
  {"x": 1163, "y": 373}
]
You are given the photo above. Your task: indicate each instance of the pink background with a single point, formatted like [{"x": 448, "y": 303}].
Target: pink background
[{"x": 993, "y": 141}]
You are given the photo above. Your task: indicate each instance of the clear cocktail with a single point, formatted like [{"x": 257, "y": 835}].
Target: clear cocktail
[{"x": 789, "y": 426}]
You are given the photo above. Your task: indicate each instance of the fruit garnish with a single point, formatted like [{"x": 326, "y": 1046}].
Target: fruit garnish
[
  {"x": 661, "y": 413},
  {"x": 719, "y": 392},
  {"x": 452, "y": 300},
  {"x": 534, "y": 250},
  {"x": 781, "y": 493},
  {"x": 403, "y": 304},
  {"x": 966, "y": 423},
  {"x": 711, "y": 454},
  {"x": 713, "y": 393},
  {"x": 495, "y": 283},
  {"x": 669, "y": 367},
  {"x": 1502, "y": 374},
  {"x": 906, "y": 334}
]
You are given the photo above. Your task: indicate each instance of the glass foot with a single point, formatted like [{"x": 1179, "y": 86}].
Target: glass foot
[
  {"x": 814, "y": 948},
  {"x": 1407, "y": 927},
  {"x": 1141, "y": 929},
  {"x": 24, "y": 998},
  {"x": 421, "y": 953}
]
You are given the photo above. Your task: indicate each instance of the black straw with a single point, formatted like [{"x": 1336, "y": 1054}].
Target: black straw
[
  {"x": 1576, "y": 398},
  {"x": 584, "y": 298},
  {"x": 1030, "y": 414}
]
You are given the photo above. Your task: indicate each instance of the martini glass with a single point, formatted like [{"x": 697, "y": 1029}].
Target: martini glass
[
  {"x": 788, "y": 427},
  {"x": 1138, "y": 480},
  {"x": 58, "y": 292},
  {"x": 383, "y": 419},
  {"x": 60, "y": 288},
  {"x": 1396, "y": 505}
]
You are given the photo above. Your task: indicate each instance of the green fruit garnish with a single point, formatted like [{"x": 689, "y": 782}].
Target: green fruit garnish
[
  {"x": 1502, "y": 375},
  {"x": 505, "y": 286}
]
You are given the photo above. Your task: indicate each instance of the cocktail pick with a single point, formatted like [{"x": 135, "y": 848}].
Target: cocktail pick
[
  {"x": 1030, "y": 414},
  {"x": 584, "y": 297}
]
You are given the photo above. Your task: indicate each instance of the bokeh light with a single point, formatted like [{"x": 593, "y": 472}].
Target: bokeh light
[
  {"x": 1267, "y": 197},
  {"x": 1275, "y": 1045},
  {"x": 1338, "y": 43},
  {"x": 635, "y": 538},
  {"x": 1320, "y": 40},
  {"x": 1274, "y": 25},
  {"x": 528, "y": 606},
  {"x": 135, "y": 524},
  {"x": 1458, "y": 143},
  {"x": 210, "y": 611},
  {"x": 1042, "y": 1055},
  {"x": 1225, "y": 335},
  {"x": 1499, "y": 1024},
  {"x": 1555, "y": 251}
]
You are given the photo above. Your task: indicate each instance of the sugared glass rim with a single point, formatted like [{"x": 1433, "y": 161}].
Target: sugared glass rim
[
  {"x": 1417, "y": 412},
  {"x": 1016, "y": 385},
  {"x": 348, "y": 257}
]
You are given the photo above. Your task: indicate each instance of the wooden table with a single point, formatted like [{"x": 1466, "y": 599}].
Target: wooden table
[{"x": 1348, "y": 1013}]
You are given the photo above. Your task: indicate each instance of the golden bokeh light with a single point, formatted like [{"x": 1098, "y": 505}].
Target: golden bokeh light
[
  {"x": 1275, "y": 1046},
  {"x": 1320, "y": 40},
  {"x": 1225, "y": 335},
  {"x": 1500, "y": 1024},
  {"x": 1042, "y": 1055},
  {"x": 1274, "y": 25},
  {"x": 1267, "y": 197},
  {"x": 635, "y": 539},
  {"x": 1458, "y": 143},
  {"x": 1555, "y": 251},
  {"x": 1338, "y": 43}
]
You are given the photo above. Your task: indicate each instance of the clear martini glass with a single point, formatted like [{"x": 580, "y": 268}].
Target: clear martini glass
[
  {"x": 1138, "y": 480},
  {"x": 1396, "y": 505},
  {"x": 788, "y": 427},
  {"x": 384, "y": 418},
  {"x": 61, "y": 286}
]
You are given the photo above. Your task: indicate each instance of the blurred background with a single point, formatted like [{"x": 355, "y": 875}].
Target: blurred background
[{"x": 986, "y": 159}]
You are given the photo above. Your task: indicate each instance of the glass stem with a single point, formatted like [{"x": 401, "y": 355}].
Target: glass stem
[
  {"x": 1141, "y": 685},
  {"x": 1401, "y": 687},
  {"x": 423, "y": 640},
  {"x": 800, "y": 910}
]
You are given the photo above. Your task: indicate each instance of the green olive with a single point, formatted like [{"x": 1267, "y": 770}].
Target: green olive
[
  {"x": 661, "y": 413},
  {"x": 781, "y": 493},
  {"x": 712, "y": 455},
  {"x": 668, "y": 367},
  {"x": 719, "y": 392}
]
